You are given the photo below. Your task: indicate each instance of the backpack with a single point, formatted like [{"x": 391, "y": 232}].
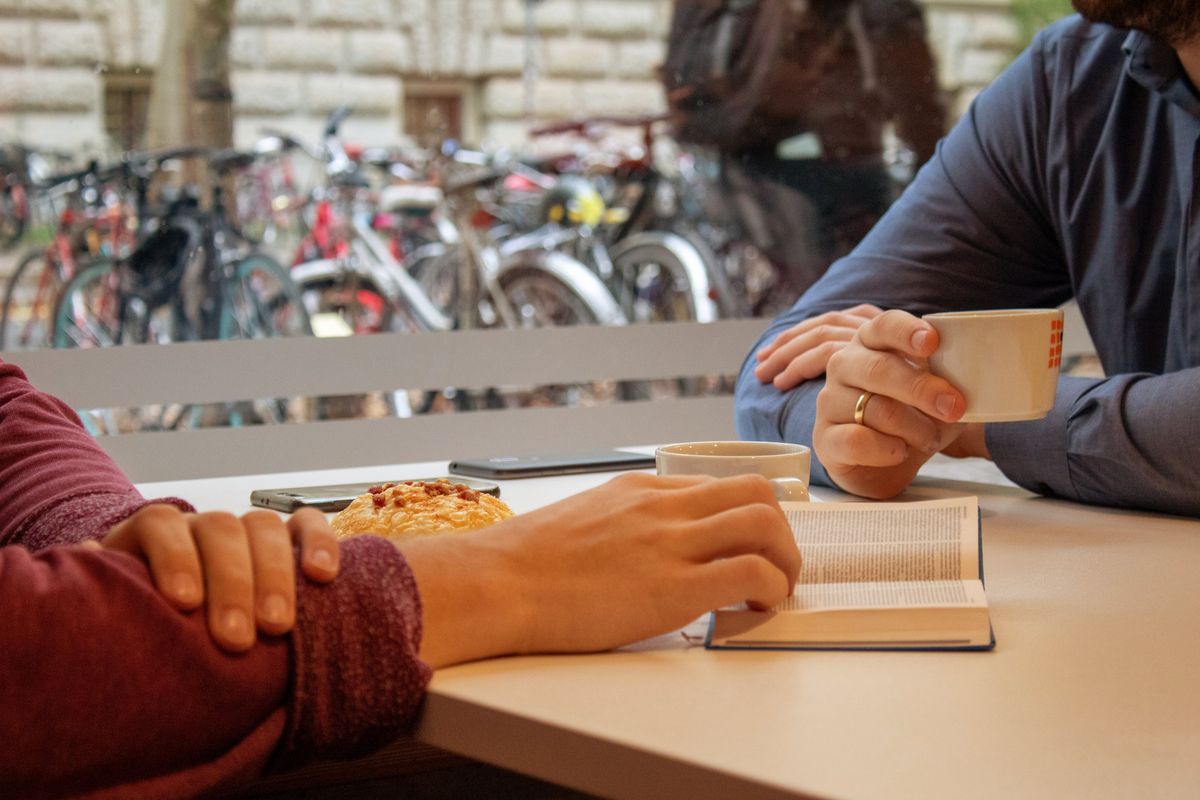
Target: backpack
[{"x": 736, "y": 71}]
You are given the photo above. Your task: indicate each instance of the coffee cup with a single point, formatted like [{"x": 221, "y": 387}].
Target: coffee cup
[
  {"x": 784, "y": 465},
  {"x": 1005, "y": 362}
]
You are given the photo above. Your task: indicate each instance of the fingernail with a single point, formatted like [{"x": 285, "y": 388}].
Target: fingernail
[
  {"x": 273, "y": 609},
  {"x": 184, "y": 588},
  {"x": 919, "y": 338},
  {"x": 322, "y": 559},
  {"x": 944, "y": 404},
  {"x": 236, "y": 625}
]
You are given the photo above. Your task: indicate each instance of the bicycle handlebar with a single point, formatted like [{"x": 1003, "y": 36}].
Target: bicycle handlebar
[
  {"x": 335, "y": 119},
  {"x": 585, "y": 125}
]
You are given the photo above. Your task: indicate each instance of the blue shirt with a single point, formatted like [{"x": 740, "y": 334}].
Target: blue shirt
[{"x": 1073, "y": 175}]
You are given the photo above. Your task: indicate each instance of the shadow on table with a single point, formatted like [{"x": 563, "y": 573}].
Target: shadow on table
[{"x": 409, "y": 769}]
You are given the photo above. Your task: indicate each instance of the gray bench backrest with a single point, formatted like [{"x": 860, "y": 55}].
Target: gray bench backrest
[{"x": 239, "y": 370}]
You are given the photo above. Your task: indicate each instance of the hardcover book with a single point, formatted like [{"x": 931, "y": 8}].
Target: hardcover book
[{"x": 876, "y": 576}]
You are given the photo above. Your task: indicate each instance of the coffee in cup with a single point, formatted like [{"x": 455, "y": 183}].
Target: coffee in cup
[
  {"x": 785, "y": 465},
  {"x": 1006, "y": 362}
]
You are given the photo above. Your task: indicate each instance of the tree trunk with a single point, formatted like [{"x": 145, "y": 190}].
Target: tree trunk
[{"x": 190, "y": 99}]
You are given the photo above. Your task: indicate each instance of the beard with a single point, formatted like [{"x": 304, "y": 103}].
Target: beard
[{"x": 1175, "y": 21}]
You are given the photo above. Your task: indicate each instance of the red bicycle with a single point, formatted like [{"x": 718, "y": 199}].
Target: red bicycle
[{"x": 97, "y": 220}]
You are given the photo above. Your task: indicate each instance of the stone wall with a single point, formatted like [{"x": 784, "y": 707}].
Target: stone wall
[{"x": 295, "y": 60}]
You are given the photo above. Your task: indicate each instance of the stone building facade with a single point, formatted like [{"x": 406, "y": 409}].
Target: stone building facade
[{"x": 74, "y": 73}]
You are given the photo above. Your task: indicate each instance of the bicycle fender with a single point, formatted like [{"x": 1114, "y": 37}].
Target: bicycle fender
[
  {"x": 695, "y": 273},
  {"x": 575, "y": 274}
]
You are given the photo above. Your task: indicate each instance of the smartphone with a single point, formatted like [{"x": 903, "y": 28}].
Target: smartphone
[
  {"x": 508, "y": 467},
  {"x": 338, "y": 496}
]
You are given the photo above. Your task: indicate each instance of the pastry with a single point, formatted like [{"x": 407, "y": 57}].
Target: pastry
[{"x": 419, "y": 508}]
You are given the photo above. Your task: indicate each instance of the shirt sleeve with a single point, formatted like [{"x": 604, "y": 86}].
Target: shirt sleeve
[
  {"x": 108, "y": 690},
  {"x": 970, "y": 232},
  {"x": 1122, "y": 441},
  {"x": 57, "y": 485}
]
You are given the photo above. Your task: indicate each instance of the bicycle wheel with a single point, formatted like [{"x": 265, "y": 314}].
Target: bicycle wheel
[
  {"x": 542, "y": 299},
  {"x": 27, "y": 318},
  {"x": 261, "y": 300},
  {"x": 435, "y": 267},
  {"x": 342, "y": 301},
  {"x": 93, "y": 311}
]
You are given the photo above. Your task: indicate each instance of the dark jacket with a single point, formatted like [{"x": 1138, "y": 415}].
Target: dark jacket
[{"x": 878, "y": 69}]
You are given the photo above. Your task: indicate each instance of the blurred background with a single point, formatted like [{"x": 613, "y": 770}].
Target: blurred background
[{"x": 177, "y": 170}]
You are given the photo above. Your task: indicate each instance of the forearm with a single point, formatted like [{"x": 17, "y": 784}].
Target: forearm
[
  {"x": 105, "y": 684},
  {"x": 1123, "y": 441},
  {"x": 468, "y": 614},
  {"x": 133, "y": 698}
]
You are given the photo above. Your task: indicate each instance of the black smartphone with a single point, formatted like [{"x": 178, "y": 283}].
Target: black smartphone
[
  {"x": 338, "y": 496},
  {"x": 508, "y": 467}
]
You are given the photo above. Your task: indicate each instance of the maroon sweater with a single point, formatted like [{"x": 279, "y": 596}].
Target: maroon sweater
[{"x": 108, "y": 690}]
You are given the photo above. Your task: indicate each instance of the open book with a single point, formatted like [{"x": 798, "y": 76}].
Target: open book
[{"x": 875, "y": 576}]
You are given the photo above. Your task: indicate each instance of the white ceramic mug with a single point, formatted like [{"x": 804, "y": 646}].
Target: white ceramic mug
[
  {"x": 1005, "y": 362},
  {"x": 785, "y": 465}
]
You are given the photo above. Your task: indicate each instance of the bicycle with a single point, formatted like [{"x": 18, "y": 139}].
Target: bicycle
[
  {"x": 656, "y": 273},
  {"x": 483, "y": 282},
  {"x": 190, "y": 279},
  {"x": 360, "y": 272},
  {"x": 266, "y": 197},
  {"x": 97, "y": 219}
]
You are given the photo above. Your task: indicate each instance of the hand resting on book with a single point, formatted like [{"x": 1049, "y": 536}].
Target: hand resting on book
[{"x": 638, "y": 556}]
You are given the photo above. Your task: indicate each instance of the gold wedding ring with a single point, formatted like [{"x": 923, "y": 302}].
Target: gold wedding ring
[{"x": 860, "y": 408}]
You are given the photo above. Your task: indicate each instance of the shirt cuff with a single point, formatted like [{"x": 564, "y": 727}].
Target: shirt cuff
[
  {"x": 1034, "y": 454},
  {"x": 358, "y": 678}
]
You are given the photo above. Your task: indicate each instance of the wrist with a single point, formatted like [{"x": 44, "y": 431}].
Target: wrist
[
  {"x": 971, "y": 443},
  {"x": 473, "y": 604}
]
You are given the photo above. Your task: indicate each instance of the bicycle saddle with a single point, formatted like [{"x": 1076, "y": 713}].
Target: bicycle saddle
[{"x": 228, "y": 160}]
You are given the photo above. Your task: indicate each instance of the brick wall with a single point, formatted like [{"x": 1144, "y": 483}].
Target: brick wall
[{"x": 294, "y": 60}]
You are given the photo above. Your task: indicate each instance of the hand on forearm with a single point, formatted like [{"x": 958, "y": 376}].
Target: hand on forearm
[
  {"x": 638, "y": 556},
  {"x": 802, "y": 352},
  {"x": 243, "y": 566}
]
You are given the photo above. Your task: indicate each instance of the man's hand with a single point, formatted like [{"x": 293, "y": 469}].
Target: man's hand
[
  {"x": 909, "y": 415},
  {"x": 639, "y": 556},
  {"x": 242, "y": 565},
  {"x": 803, "y": 351}
]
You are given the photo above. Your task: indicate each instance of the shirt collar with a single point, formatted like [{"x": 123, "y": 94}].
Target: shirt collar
[{"x": 1153, "y": 63}]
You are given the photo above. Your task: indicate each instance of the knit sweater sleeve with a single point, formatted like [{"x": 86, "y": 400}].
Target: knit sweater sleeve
[
  {"x": 57, "y": 485},
  {"x": 109, "y": 691}
]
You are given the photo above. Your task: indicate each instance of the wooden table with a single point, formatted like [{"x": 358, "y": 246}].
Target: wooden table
[{"x": 1092, "y": 690}]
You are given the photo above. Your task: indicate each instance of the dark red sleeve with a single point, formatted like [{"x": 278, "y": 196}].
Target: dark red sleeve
[
  {"x": 106, "y": 689},
  {"x": 48, "y": 459}
]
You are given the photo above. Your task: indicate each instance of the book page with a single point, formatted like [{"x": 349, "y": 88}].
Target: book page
[
  {"x": 894, "y": 594},
  {"x": 934, "y": 540}
]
